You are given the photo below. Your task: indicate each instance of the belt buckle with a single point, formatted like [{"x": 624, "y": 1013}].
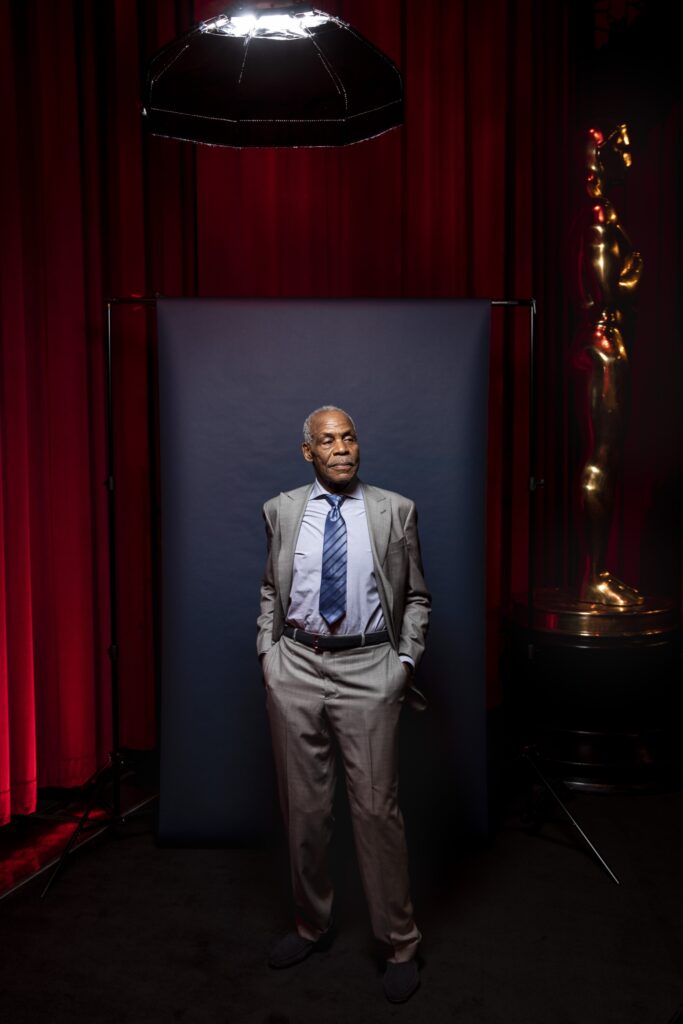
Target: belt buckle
[{"x": 316, "y": 640}]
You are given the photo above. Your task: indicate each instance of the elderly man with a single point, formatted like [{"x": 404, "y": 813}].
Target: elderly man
[{"x": 344, "y": 614}]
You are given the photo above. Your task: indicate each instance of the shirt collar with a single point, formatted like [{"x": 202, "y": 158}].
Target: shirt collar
[{"x": 318, "y": 491}]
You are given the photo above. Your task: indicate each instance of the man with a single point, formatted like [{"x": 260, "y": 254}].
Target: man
[{"x": 344, "y": 614}]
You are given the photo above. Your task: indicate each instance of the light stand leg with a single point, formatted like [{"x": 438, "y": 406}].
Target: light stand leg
[
  {"x": 528, "y": 754},
  {"x": 80, "y": 827}
]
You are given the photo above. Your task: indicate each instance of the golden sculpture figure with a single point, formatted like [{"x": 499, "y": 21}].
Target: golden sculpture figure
[
  {"x": 610, "y": 272},
  {"x": 602, "y": 606}
]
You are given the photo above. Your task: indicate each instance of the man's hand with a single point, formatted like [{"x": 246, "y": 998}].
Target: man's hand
[{"x": 408, "y": 677}]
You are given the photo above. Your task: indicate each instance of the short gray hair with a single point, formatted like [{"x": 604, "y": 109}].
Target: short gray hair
[{"x": 308, "y": 435}]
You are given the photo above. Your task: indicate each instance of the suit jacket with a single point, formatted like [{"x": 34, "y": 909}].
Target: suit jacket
[{"x": 392, "y": 525}]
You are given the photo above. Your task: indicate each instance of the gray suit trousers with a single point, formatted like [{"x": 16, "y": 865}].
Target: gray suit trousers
[{"x": 353, "y": 696}]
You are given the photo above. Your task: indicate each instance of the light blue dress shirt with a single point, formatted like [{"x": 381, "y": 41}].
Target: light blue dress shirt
[{"x": 363, "y": 608}]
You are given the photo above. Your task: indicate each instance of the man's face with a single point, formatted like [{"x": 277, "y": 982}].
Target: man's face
[{"x": 333, "y": 451}]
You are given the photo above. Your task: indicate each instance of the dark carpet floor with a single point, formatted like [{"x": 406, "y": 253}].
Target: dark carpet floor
[{"x": 526, "y": 929}]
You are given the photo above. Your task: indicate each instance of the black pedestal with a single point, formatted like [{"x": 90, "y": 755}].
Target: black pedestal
[{"x": 601, "y": 711}]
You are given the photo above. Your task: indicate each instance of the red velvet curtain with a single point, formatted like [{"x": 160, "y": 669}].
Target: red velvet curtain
[{"x": 469, "y": 198}]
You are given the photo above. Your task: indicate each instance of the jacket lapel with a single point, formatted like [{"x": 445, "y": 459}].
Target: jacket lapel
[
  {"x": 378, "y": 512},
  {"x": 292, "y": 508}
]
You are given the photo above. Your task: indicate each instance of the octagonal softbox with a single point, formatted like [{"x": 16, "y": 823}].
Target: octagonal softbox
[{"x": 295, "y": 77}]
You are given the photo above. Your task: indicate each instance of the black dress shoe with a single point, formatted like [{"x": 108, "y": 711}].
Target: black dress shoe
[
  {"x": 400, "y": 981},
  {"x": 291, "y": 949}
]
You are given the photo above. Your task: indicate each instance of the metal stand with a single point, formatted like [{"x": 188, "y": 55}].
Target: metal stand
[
  {"x": 112, "y": 771},
  {"x": 528, "y": 754}
]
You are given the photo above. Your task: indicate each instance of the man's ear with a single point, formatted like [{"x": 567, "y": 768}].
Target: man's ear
[{"x": 306, "y": 452}]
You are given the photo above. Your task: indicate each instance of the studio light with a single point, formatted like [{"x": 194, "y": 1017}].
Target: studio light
[{"x": 272, "y": 74}]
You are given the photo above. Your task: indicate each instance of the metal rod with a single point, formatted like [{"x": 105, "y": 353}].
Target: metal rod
[
  {"x": 533, "y": 482},
  {"x": 573, "y": 820},
  {"x": 115, "y": 762},
  {"x": 113, "y": 611}
]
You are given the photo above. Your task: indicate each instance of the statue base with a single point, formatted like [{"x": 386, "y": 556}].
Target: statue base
[
  {"x": 597, "y": 690},
  {"x": 558, "y": 612}
]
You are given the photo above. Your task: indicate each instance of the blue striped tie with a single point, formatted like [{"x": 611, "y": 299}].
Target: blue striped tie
[{"x": 333, "y": 577}]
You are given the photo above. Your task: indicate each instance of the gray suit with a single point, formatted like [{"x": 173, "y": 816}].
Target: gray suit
[{"x": 354, "y": 696}]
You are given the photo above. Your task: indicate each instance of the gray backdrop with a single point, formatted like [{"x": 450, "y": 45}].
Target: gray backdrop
[{"x": 236, "y": 380}]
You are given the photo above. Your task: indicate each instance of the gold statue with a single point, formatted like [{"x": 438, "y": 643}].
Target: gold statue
[
  {"x": 603, "y": 607},
  {"x": 610, "y": 272}
]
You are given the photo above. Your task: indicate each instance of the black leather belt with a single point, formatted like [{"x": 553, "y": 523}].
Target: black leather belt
[{"x": 322, "y": 642}]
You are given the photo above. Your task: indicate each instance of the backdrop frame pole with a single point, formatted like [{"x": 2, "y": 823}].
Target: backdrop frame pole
[
  {"x": 113, "y": 767},
  {"x": 115, "y": 763}
]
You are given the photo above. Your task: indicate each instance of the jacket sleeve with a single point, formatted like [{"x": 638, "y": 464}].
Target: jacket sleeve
[
  {"x": 418, "y": 600},
  {"x": 264, "y": 623}
]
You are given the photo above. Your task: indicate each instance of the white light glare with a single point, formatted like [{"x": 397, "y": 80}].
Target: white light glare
[
  {"x": 272, "y": 26},
  {"x": 242, "y": 25}
]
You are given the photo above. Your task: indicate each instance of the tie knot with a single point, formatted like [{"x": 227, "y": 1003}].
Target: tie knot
[{"x": 335, "y": 500}]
